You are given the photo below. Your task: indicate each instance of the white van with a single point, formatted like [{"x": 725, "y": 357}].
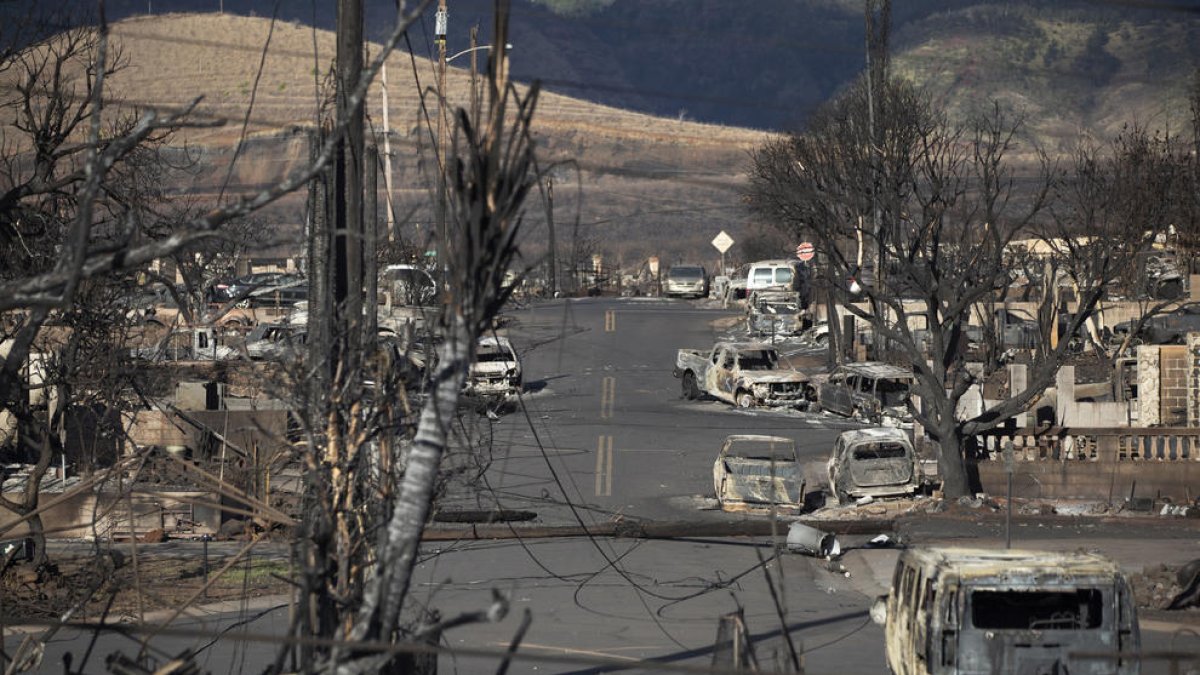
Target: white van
[
  {"x": 976, "y": 611},
  {"x": 687, "y": 281},
  {"x": 778, "y": 275}
]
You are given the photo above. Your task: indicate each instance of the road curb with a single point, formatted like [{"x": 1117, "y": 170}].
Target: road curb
[{"x": 631, "y": 529}]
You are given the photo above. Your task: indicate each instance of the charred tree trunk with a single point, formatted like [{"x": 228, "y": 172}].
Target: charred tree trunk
[
  {"x": 951, "y": 462},
  {"x": 415, "y": 495}
]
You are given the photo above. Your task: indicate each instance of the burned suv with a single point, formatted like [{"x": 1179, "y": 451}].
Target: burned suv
[
  {"x": 875, "y": 462},
  {"x": 872, "y": 391}
]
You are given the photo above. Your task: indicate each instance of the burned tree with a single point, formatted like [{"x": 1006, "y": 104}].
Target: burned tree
[
  {"x": 67, "y": 221},
  {"x": 923, "y": 216},
  {"x": 490, "y": 171},
  {"x": 54, "y": 208},
  {"x": 1125, "y": 195}
]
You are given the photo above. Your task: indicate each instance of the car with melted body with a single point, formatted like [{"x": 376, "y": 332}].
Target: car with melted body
[
  {"x": 876, "y": 462},
  {"x": 496, "y": 372},
  {"x": 869, "y": 390},
  {"x": 758, "y": 472},
  {"x": 746, "y": 374},
  {"x": 973, "y": 611}
]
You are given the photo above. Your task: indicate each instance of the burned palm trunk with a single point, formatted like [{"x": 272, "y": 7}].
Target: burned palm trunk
[
  {"x": 491, "y": 172},
  {"x": 415, "y": 496}
]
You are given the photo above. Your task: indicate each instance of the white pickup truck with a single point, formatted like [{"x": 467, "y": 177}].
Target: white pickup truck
[{"x": 746, "y": 374}]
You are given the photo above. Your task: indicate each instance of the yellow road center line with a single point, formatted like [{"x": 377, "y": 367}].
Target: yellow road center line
[
  {"x": 610, "y": 321},
  {"x": 608, "y": 488},
  {"x": 600, "y": 466},
  {"x": 608, "y": 396},
  {"x": 604, "y": 466}
]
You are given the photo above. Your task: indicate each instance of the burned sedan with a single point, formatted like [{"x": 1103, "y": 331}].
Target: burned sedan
[
  {"x": 753, "y": 472},
  {"x": 496, "y": 373},
  {"x": 876, "y": 462}
]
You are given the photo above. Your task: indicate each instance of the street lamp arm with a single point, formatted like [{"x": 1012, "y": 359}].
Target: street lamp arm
[{"x": 507, "y": 47}]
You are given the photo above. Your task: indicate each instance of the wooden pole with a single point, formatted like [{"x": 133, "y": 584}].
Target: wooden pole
[
  {"x": 348, "y": 235},
  {"x": 441, "y": 22},
  {"x": 370, "y": 253}
]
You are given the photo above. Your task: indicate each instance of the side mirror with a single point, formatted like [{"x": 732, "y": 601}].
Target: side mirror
[{"x": 879, "y": 610}]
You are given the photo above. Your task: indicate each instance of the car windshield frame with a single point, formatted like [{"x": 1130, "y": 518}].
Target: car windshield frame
[
  {"x": 686, "y": 274},
  {"x": 760, "y": 449},
  {"x": 758, "y": 359}
]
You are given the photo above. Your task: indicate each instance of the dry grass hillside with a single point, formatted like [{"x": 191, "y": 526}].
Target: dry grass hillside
[
  {"x": 637, "y": 185},
  {"x": 631, "y": 184},
  {"x": 1071, "y": 72}
]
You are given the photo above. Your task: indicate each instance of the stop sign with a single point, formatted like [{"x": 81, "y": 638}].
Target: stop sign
[{"x": 805, "y": 251}]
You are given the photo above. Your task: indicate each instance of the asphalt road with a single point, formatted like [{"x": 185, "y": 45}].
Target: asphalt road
[{"x": 604, "y": 424}]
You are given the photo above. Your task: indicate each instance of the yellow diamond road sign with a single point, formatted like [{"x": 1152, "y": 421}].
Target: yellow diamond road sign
[{"x": 722, "y": 242}]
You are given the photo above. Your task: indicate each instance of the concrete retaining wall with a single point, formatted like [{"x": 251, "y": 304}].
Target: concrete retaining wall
[
  {"x": 87, "y": 515},
  {"x": 1100, "y": 481}
]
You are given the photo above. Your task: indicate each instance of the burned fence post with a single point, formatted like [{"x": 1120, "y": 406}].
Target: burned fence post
[{"x": 732, "y": 648}]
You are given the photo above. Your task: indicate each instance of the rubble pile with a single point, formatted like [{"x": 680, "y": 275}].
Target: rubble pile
[{"x": 1160, "y": 587}]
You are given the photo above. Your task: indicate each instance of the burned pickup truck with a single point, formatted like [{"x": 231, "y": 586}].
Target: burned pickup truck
[{"x": 746, "y": 374}]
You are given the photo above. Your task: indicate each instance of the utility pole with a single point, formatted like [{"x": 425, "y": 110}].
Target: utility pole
[
  {"x": 317, "y": 268},
  {"x": 348, "y": 232},
  {"x": 440, "y": 25},
  {"x": 552, "y": 277},
  {"x": 878, "y": 26},
  {"x": 387, "y": 158},
  {"x": 474, "y": 74},
  {"x": 370, "y": 249},
  {"x": 878, "y": 17}
]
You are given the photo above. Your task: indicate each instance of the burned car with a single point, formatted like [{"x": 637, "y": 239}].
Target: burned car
[
  {"x": 876, "y": 462},
  {"x": 756, "y": 472},
  {"x": 775, "y": 313},
  {"x": 275, "y": 341},
  {"x": 1161, "y": 329},
  {"x": 496, "y": 372},
  {"x": 873, "y": 391},
  {"x": 961, "y": 610}
]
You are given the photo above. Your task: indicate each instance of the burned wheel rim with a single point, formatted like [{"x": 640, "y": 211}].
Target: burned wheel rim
[
  {"x": 691, "y": 391},
  {"x": 745, "y": 400}
]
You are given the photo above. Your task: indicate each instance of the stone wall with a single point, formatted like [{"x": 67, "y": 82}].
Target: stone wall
[
  {"x": 1193, "y": 376},
  {"x": 1164, "y": 375}
]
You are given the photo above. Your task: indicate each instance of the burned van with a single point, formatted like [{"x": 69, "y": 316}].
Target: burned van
[{"x": 975, "y": 611}]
